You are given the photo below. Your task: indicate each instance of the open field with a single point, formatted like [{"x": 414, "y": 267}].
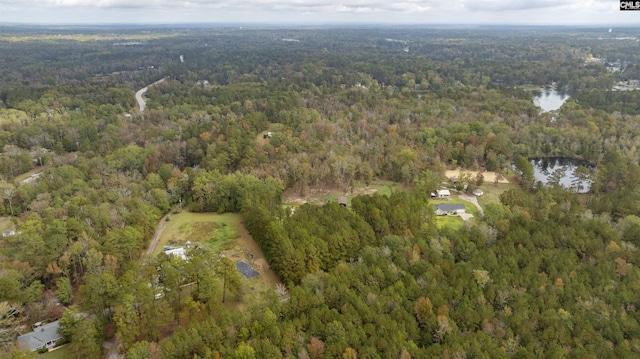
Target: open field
[
  {"x": 216, "y": 231},
  {"x": 322, "y": 196},
  {"x": 224, "y": 233},
  {"x": 492, "y": 192}
]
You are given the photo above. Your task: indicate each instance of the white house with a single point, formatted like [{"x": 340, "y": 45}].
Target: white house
[{"x": 443, "y": 193}]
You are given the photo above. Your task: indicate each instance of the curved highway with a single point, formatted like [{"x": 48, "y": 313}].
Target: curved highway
[{"x": 141, "y": 102}]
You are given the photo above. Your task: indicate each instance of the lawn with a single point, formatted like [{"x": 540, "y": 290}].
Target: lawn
[
  {"x": 60, "y": 353},
  {"x": 216, "y": 231},
  {"x": 453, "y": 222},
  {"x": 493, "y": 191}
]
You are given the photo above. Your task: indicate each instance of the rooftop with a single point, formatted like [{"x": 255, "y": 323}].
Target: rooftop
[
  {"x": 42, "y": 336},
  {"x": 449, "y": 207}
]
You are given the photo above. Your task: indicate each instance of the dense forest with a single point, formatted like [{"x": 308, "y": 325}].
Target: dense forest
[{"x": 247, "y": 116}]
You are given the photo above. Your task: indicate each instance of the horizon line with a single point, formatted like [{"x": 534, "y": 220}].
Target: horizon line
[{"x": 306, "y": 24}]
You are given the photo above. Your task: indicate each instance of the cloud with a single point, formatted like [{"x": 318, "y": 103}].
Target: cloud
[
  {"x": 305, "y": 11},
  {"x": 231, "y": 5},
  {"x": 524, "y": 5}
]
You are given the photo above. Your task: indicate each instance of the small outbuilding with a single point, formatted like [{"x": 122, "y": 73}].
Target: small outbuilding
[
  {"x": 443, "y": 193},
  {"x": 342, "y": 200}
]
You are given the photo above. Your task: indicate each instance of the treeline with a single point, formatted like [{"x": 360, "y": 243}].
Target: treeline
[
  {"x": 314, "y": 238},
  {"x": 624, "y": 102}
]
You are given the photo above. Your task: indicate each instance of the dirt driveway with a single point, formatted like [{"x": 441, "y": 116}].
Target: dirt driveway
[
  {"x": 466, "y": 216},
  {"x": 472, "y": 199}
]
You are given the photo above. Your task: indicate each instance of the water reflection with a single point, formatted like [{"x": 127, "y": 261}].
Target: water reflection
[
  {"x": 562, "y": 171},
  {"x": 550, "y": 99}
]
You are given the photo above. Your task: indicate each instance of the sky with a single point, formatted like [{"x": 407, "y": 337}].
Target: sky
[{"x": 314, "y": 12}]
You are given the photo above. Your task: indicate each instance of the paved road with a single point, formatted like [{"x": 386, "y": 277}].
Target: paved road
[{"x": 141, "y": 102}]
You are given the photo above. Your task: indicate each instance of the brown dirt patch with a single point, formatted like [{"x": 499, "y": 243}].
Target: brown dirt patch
[{"x": 489, "y": 176}]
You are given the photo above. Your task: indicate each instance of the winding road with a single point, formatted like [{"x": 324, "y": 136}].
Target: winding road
[{"x": 141, "y": 102}]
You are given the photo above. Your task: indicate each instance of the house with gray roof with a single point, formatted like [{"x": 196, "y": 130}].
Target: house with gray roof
[
  {"x": 44, "y": 336},
  {"x": 445, "y": 209}
]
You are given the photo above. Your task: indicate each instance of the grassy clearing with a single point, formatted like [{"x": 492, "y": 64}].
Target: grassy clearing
[
  {"x": 322, "y": 196},
  {"x": 6, "y": 224},
  {"x": 493, "y": 191},
  {"x": 453, "y": 222},
  {"x": 60, "y": 353},
  {"x": 225, "y": 233},
  {"x": 26, "y": 175},
  {"x": 216, "y": 231}
]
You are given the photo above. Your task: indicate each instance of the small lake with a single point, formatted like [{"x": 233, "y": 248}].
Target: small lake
[
  {"x": 543, "y": 169},
  {"x": 550, "y": 99}
]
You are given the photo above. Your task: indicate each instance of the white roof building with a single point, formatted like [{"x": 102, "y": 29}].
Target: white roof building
[{"x": 178, "y": 252}]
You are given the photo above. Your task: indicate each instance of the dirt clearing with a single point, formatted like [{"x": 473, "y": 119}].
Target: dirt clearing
[{"x": 489, "y": 176}]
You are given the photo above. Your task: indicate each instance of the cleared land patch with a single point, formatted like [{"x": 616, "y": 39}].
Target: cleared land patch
[
  {"x": 224, "y": 233},
  {"x": 489, "y": 176},
  {"x": 6, "y": 224},
  {"x": 321, "y": 196}
]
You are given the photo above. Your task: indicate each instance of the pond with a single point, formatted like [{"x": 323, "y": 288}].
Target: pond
[
  {"x": 563, "y": 171},
  {"x": 549, "y": 99}
]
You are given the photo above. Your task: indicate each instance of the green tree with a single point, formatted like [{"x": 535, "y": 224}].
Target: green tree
[
  {"x": 64, "y": 290},
  {"x": 20, "y": 354},
  {"x": 231, "y": 279},
  {"x": 525, "y": 172},
  {"x": 85, "y": 341},
  {"x": 245, "y": 351},
  {"x": 7, "y": 191},
  {"x": 126, "y": 320},
  {"x": 8, "y": 324},
  {"x": 479, "y": 179},
  {"x": 139, "y": 350}
]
